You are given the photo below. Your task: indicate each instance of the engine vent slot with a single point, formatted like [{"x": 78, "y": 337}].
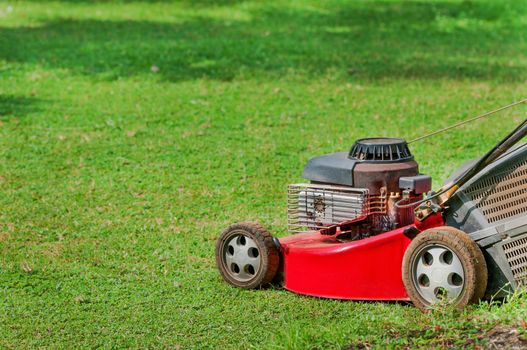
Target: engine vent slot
[
  {"x": 501, "y": 195},
  {"x": 380, "y": 149},
  {"x": 315, "y": 206},
  {"x": 516, "y": 253}
]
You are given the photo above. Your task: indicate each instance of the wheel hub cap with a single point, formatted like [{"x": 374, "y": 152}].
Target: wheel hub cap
[
  {"x": 438, "y": 273},
  {"x": 242, "y": 257}
]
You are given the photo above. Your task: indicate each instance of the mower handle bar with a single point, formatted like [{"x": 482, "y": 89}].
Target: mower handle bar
[{"x": 503, "y": 146}]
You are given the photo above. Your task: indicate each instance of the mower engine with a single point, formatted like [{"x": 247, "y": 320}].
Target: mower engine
[{"x": 364, "y": 187}]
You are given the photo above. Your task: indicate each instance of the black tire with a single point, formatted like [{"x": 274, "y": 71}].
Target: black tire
[
  {"x": 467, "y": 287},
  {"x": 246, "y": 255}
]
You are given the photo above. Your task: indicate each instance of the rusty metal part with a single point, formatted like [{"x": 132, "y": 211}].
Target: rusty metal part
[
  {"x": 392, "y": 209},
  {"x": 377, "y": 204},
  {"x": 382, "y": 215},
  {"x": 375, "y": 176},
  {"x": 433, "y": 205},
  {"x": 401, "y": 216}
]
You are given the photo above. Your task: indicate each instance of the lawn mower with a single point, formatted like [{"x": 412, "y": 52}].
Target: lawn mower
[{"x": 367, "y": 226}]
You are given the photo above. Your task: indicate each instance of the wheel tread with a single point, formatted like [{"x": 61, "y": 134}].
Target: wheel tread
[{"x": 465, "y": 248}]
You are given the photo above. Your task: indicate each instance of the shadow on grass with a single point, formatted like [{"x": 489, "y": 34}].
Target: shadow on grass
[
  {"x": 17, "y": 106},
  {"x": 357, "y": 40}
]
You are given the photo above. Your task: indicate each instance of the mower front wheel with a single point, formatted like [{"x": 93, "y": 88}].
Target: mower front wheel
[
  {"x": 444, "y": 263},
  {"x": 246, "y": 255}
]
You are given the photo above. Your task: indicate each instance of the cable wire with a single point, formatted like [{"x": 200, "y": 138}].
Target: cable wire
[{"x": 468, "y": 121}]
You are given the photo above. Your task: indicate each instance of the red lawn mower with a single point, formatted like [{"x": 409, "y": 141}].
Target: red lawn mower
[{"x": 367, "y": 226}]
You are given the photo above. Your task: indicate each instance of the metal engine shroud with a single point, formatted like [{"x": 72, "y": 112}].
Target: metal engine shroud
[
  {"x": 314, "y": 206},
  {"x": 361, "y": 184}
]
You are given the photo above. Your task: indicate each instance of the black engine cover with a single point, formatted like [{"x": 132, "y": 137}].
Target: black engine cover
[{"x": 371, "y": 163}]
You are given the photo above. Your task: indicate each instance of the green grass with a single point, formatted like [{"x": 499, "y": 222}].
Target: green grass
[{"x": 132, "y": 133}]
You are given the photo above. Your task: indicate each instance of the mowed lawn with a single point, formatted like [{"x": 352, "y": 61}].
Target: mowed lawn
[{"x": 132, "y": 133}]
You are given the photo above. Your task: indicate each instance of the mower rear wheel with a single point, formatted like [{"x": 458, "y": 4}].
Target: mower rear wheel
[
  {"x": 444, "y": 263},
  {"x": 246, "y": 255}
]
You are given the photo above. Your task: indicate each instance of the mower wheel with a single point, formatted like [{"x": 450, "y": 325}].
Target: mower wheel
[
  {"x": 444, "y": 263},
  {"x": 246, "y": 255}
]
